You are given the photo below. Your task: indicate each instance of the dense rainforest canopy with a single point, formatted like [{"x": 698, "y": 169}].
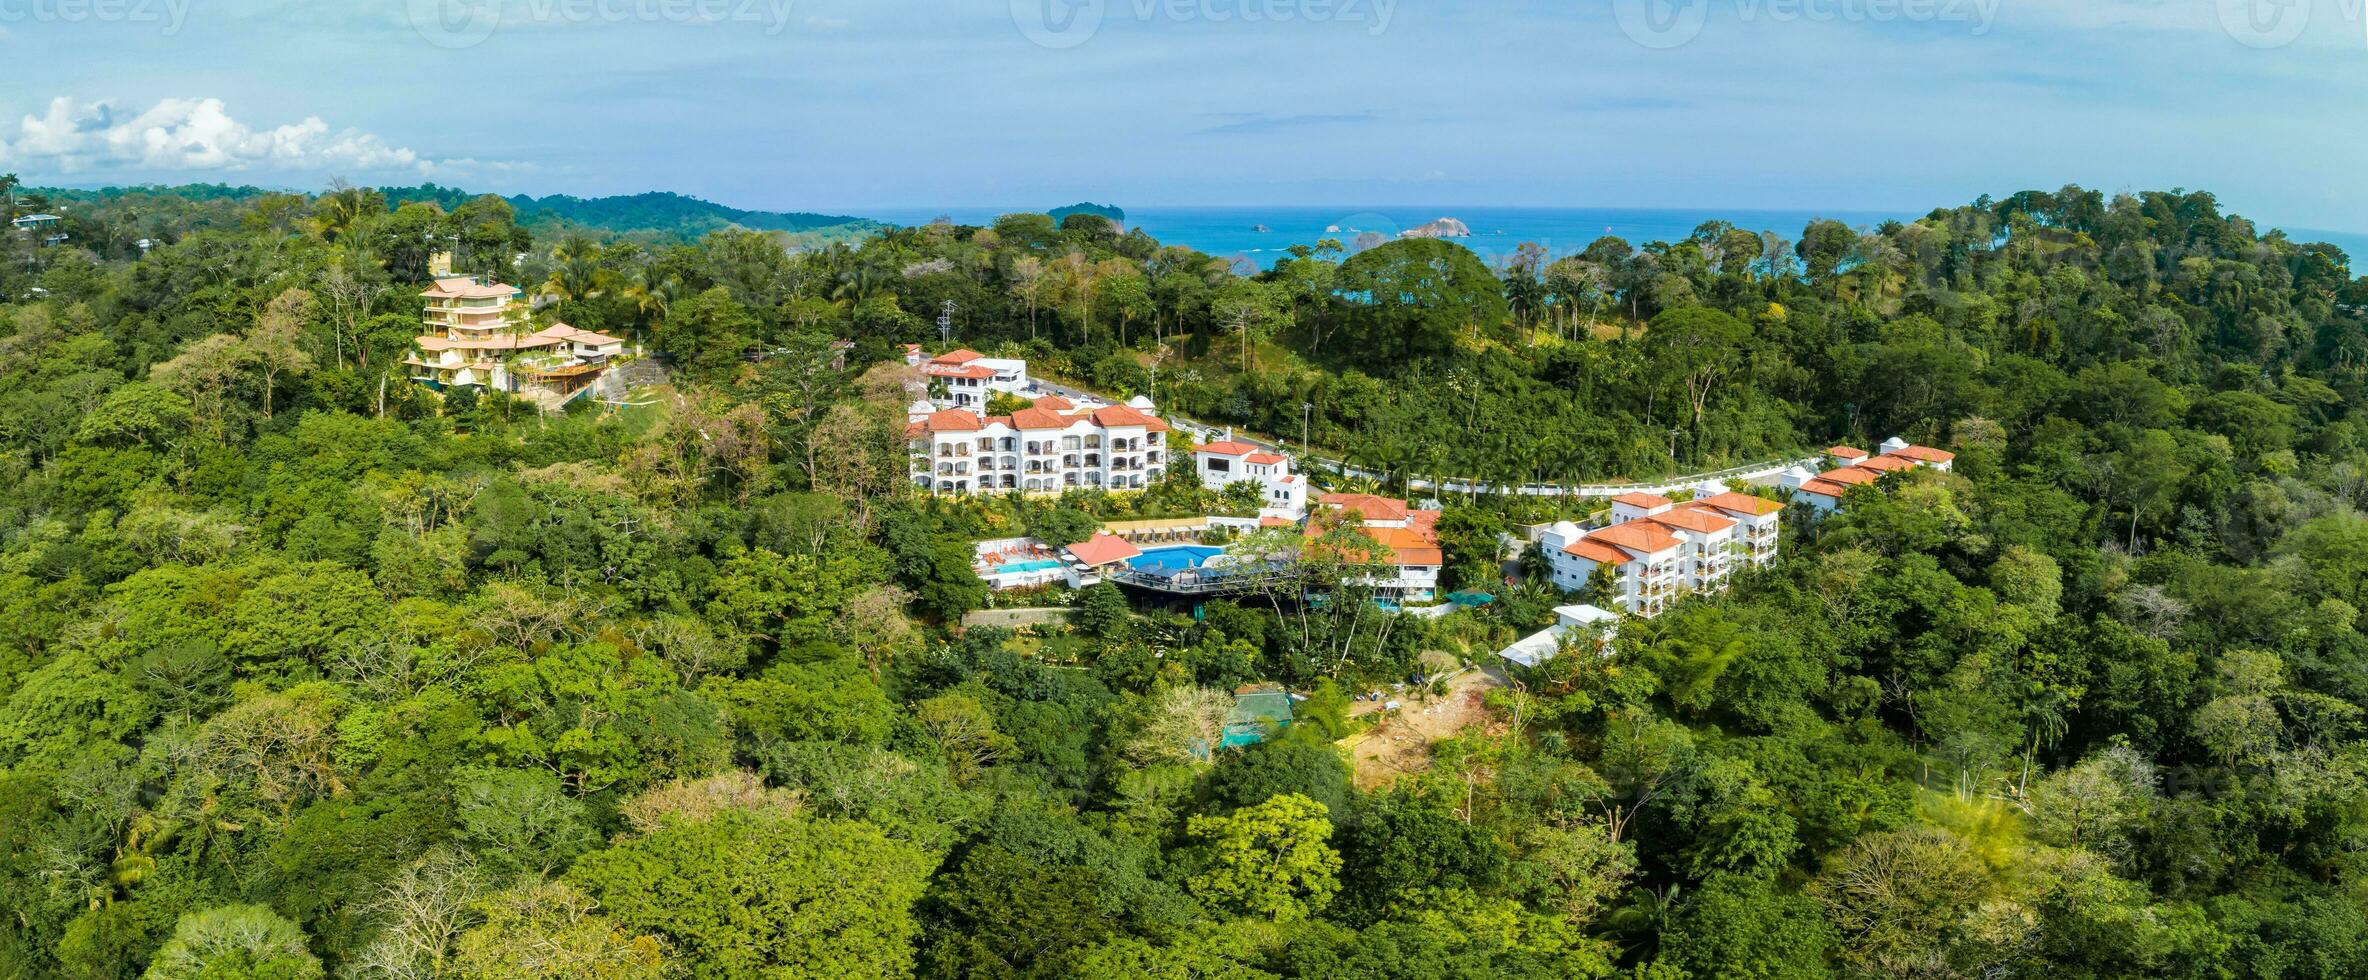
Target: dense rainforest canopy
[{"x": 308, "y": 672}]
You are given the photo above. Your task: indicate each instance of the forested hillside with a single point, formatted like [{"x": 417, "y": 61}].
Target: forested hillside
[
  {"x": 169, "y": 212},
  {"x": 306, "y": 672}
]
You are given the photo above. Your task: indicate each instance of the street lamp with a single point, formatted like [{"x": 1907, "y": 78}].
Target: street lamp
[{"x": 1306, "y": 411}]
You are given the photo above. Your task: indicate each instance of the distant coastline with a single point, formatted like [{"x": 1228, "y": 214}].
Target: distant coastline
[{"x": 1230, "y": 231}]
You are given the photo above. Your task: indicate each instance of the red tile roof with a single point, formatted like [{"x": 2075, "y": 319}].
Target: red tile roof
[
  {"x": 1102, "y": 549},
  {"x": 950, "y": 371},
  {"x": 1691, "y": 520},
  {"x": 1598, "y": 552},
  {"x": 1741, "y": 503},
  {"x": 962, "y": 356},
  {"x": 1038, "y": 418},
  {"x": 1845, "y": 452},
  {"x": 1825, "y": 488},
  {"x": 1117, "y": 415},
  {"x": 952, "y": 420},
  {"x": 1264, "y": 459},
  {"x": 1273, "y": 522},
  {"x": 1639, "y": 537},
  {"x": 1226, "y": 448},
  {"x": 1886, "y": 463},
  {"x": 1368, "y": 506},
  {"x": 1644, "y": 501},
  {"x": 1055, "y": 403},
  {"x": 1408, "y": 546},
  {"x": 463, "y": 287},
  {"x": 1856, "y": 476},
  {"x": 1924, "y": 454}
]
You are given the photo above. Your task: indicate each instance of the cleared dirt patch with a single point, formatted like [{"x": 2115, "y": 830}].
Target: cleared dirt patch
[{"x": 1400, "y": 743}]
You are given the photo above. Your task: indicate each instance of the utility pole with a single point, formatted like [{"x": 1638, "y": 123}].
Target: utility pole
[
  {"x": 1306, "y": 411},
  {"x": 945, "y": 323}
]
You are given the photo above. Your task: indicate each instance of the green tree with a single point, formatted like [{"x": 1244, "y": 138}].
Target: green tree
[
  {"x": 1271, "y": 860},
  {"x": 234, "y": 942},
  {"x": 743, "y": 895}
]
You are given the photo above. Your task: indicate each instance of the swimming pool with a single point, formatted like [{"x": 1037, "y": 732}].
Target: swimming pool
[
  {"x": 1014, "y": 568},
  {"x": 1173, "y": 558}
]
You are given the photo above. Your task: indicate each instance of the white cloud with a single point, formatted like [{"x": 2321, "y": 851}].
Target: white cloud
[{"x": 179, "y": 135}]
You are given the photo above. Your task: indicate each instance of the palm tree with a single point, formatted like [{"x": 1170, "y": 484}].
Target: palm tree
[
  {"x": 651, "y": 291},
  {"x": 860, "y": 283},
  {"x": 578, "y": 274},
  {"x": 338, "y": 210}
]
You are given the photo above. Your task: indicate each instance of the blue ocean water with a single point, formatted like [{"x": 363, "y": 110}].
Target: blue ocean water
[{"x": 1233, "y": 232}]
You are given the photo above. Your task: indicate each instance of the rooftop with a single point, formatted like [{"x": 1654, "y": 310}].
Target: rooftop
[
  {"x": 1741, "y": 503},
  {"x": 1102, "y": 549},
  {"x": 1369, "y": 506},
  {"x": 1639, "y": 537},
  {"x": 1644, "y": 501}
]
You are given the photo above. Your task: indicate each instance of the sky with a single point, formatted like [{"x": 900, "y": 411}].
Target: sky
[{"x": 842, "y": 106}]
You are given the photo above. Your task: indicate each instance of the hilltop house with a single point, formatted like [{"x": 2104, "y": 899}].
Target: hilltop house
[
  {"x": 1281, "y": 493},
  {"x": 477, "y": 334},
  {"x": 1848, "y": 467},
  {"x": 1660, "y": 550},
  {"x": 1410, "y": 536},
  {"x": 969, "y": 376},
  {"x": 1048, "y": 447}
]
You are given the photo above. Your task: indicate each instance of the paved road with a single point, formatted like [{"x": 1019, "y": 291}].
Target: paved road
[{"x": 1764, "y": 472}]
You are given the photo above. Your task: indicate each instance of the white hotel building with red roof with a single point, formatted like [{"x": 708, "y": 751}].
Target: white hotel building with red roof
[
  {"x": 1660, "y": 549},
  {"x": 1281, "y": 493},
  {"x": 1848, "y": 467},
  {"x": 1051, "y": 446}
]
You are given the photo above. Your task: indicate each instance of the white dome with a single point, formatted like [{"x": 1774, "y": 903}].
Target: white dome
[{"x": 1139, "y": 402}]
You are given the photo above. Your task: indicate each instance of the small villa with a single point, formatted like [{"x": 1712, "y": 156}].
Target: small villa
[
  {"x": 1584, "y": 626},
  {"x": 1224, "y": 462},
  {"x": 1846, "y": 467},
  {"x": 968, "y": 376}
]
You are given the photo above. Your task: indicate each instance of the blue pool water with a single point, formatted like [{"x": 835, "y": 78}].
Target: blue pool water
[
  {"x": 1173, "y": 558},
  {"x": 1026, "y": 566}
]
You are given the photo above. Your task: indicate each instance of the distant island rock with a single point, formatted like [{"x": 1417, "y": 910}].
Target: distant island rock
[
  {"x": 1442, "y": 228},
  {"x": 1116, "y": 214},
  {"x": 1331, "y": 229},
  {"x": 1261, "y": 229}
]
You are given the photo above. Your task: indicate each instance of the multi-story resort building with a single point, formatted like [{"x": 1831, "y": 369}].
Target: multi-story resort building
[
  {"x": 969, "y": 377},
  {"x": 1048, "y": 447},
  {"x": 1846, "y": 467},
  {"x": 1281, "y": 493},
  {"x": 477, "y": 334},
  {"x": 1409, "y": 535},
  {"x": 1660, "y": 550}
]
